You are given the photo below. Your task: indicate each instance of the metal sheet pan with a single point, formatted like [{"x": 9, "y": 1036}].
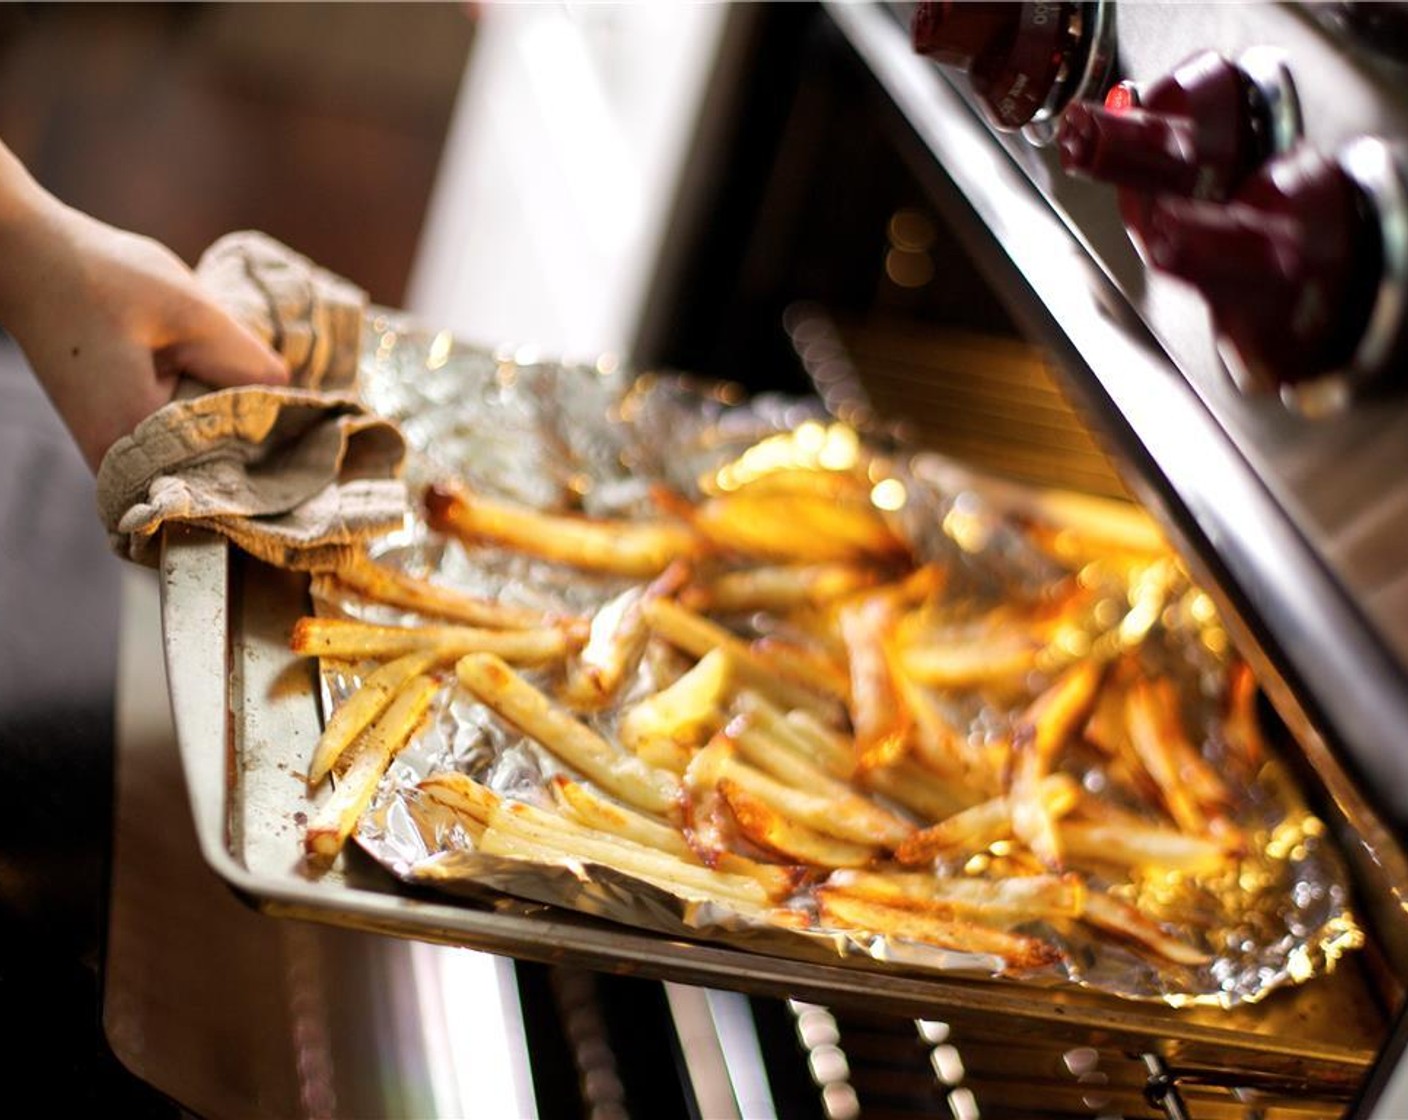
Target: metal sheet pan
[{"x": 247, "y": 714}]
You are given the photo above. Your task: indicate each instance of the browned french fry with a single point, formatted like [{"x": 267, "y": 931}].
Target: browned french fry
[
  {"x": 1042, "y": 732},
  {"x": 705, "y": 825},
  {"x": 1241, "y": 726},
  {"x": 970, "y": 662},
  {"x": 471, "y": 803},
  {"x": 680, "y": 716},
  {"x": 1013, "y": 899},
  {"x": 628, "y": 548},
  {"x": 924, "y": 793},
  {"x": 832, "y": 485},
  {"x": 880, "y": 718},
  {"x": 1192, "y": 791},
  {"x": 797, "y": 527},
  {"x": 338, "y": 815},
  {"x": 352, "y": 640},
  {"x": 975, "y": 828},
  {"x": 913, "y": 921},
  {"x": 840, "y": 813},
  {"x": 386, "y": 585},
  {"x": 523, "y": 831},
  {"x": 1115, "y": 916},
  {"x": 596, "y": 812},
  {"x": 779, "y": 589},
  {"x": 773, "y": 831},
  {"x": 352, "y": 716},
  {"x": 696, "y": 635},
  {"x": 1131, "y": 844},
  {"x": 491, "y": 681}
]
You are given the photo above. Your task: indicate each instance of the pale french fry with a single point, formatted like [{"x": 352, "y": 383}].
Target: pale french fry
[
  {"x": 779, "y": 589},
  {"x": 832, "y": 485},
  {"x": 1014, "y": 899},
  {"x": 912, "y": 921},
  {"x": 597, "y": 812},
  {"x": 492, "y": 682},
  {"x": 352, "y": 640},
  {"x": 1115, "y": 916},
  {"x": 772, "y": 831},
  {"x": 705, "y": 825},
  {"x": 698, "y": 636},
  {"x": 351, "y": 717},
  {"x": 628, "y": 548},
  {"x": 1129, "y": 843},
  {"x": 549, "y": 835},
  {"x": 766, "y": 745},
  {"x": 680, "y": 716},
  {"x": 975, "y": 828},
  {"x": 844, "y": 815},
  {"x": 365, "y": 576},
  {"x": 804, "y": 733},
  {"x": 880, "y": 718},
  {"x": 614, "y": 643},
  {"x": 809, "y": 667},
  {"x": 369, "y": 758}
]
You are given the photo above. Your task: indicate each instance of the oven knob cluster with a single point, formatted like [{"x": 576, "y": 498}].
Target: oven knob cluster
[
  {"x": 1024, "y": 61},
  {"x": 1302, "y": 258},
  {"x": 1197, "y": 132},
  {"x": 1302, "y": 269}
]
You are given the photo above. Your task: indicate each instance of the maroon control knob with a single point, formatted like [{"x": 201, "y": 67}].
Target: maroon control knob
[
  {"x": 1195, "y": 132},
  {"x": 1290, "y": 268},
  {"x": 1014, "y": 53}
]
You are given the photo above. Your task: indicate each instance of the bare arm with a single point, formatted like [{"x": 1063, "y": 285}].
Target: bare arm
[{"x": 109, "y": 320}]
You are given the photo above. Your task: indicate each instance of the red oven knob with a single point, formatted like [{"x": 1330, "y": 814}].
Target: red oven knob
[
  {"x": 1304, "y": 270},
  {"x": 1196, "y": 132},
  {"x": 1018, "y": 56}
]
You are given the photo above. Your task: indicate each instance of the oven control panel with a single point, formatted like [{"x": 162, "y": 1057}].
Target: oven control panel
[{"x": 1295, "y": 239}]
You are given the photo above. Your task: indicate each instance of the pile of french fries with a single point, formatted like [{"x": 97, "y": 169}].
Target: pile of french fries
[{"x": 779, "y": 709}]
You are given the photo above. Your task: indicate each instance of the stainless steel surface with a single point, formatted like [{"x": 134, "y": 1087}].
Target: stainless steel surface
[
  {"x": 233, "y": 1014},
  {"x": 1099, "y": 16}
]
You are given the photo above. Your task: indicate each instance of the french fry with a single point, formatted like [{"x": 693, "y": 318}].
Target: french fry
[
  {"x": 975, "y": 828},
  {"x": 925, "y": 794},
  {"x": 1192, "y": 791},
  {"x": 804, "y": 733},
  {"x": 594, "y": 811},
  {"x": 615, "y": 640},
  {"x": 521, "y": 830},
  {"x": 810, "y": 667},
  {"x": 697, "y": 636},
  {"x": 351, "y": 717},
  {"x": 1043, "y": 731},
  {"x": 1014, "y": 899},
  {"x": 1240, "y": 725},
  {"x": 628, "y": 548},
  {"x": 492, "y": 682},
  {"x": 797, "y": 527},
  {"x": 1108, "y": 913},
  {"x": 352, "y": 640},
  {"x": 773, "y": 831},
  {"x": 970, "y": 662},
  {"x": 880, "y": 718},
  {"x": 681, "y": 715},
  {"x": 338, "y": 815},
  {"x": 779, "y": 589},
  {"x": 365, "y": 576},
  {"x": 1132, "y": 844},
  {"x": 705, "y": 814},
  {"x": 845, "y": 815},
  {"x": 915, "y": 922},
  {"x": 471, "y": 803}
]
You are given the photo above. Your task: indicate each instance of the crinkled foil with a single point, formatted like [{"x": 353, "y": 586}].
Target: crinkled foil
[{"x": 592, "y": 437}]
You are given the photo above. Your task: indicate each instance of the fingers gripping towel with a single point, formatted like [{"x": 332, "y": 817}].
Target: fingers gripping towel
[{"x": 296, "y": 476}]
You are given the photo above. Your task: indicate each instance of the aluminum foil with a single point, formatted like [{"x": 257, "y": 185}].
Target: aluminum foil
[{"x": 594, "y": 438}]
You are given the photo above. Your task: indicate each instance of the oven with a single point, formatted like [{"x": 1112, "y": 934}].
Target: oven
[
  {"x": 936, "y": 244},
  {"x": 855, "y": 219}
]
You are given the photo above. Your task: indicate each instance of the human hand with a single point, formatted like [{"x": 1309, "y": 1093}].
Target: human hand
[{"x": 111, "y": 321}]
